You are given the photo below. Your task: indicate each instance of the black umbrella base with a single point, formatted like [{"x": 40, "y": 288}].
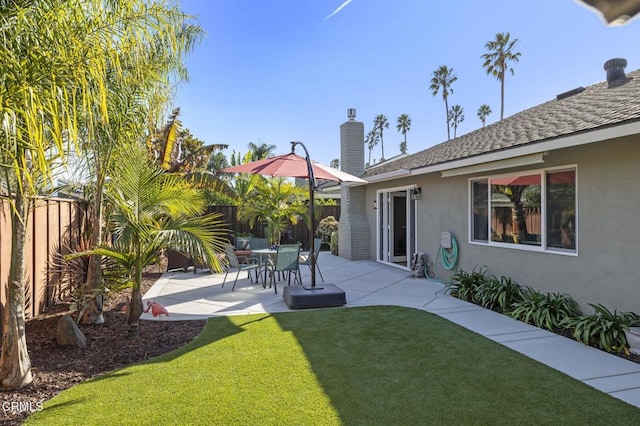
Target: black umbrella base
[{"x": 322, "y": 296}]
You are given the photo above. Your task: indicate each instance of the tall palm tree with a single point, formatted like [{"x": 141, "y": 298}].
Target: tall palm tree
[
  {"x": 153, "y": 210},
  {"x": 335, "y": 163},
  {"x": 371, "y": 141},
  {"x": 441, "y": 80},
  {"x": 456, "y": 116},
  {"x": 404, "y": 125},
  {"x": 483, "y": 112},
  {"x": 380, "y": 123},
  {"x": 497, "y": 59},
  {"x": 261, "y": 150}
]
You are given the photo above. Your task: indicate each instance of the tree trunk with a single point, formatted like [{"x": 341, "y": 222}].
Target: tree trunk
[
  {"x": 92, "y": 312},
  {"x": 135, "y": 312},
  {"x": 15, "y": 365}
]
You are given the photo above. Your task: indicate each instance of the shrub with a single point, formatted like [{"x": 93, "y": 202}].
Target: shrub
[
  {"x": 545, "y": 310},
  {"x": 326, "y": 227},
  {"x": 465, "y": 285},
  {"x": 603, "y": 329},
  {"x": 500, "y": 293},
  {"x": 334, "y": 243}
]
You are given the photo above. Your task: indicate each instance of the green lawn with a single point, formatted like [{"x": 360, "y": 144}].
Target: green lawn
[{"x": 373, "y": 365}]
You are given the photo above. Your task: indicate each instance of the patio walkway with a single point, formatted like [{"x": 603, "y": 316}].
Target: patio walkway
[{"x": 187, "y": 296}]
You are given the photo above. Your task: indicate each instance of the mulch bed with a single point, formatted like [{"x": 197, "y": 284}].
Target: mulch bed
[{"x": 108, "y": 348}]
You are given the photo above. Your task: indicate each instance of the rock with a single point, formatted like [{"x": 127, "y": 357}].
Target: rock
[{"x": 68, "y": 333}]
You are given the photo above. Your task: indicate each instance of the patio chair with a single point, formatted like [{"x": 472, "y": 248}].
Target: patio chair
[
  {"x": 258, "y": 243},
  {"x": 286, "y": 260},
  {"x": 250, "y": 264},
  {"x": 305, "y": 259},
  {"x": 242, "y": 246}
]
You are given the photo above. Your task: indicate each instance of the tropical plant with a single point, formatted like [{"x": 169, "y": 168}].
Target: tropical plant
[
  {"x": 261, "y": 150},
  {"x": 603, "y": 329},
  {"x": 152, "y": 210},
  {"x": 441, "y": 81},
  {"x": 500, "y": 293},
  {"x": 483, "y": 112},
  {"x": 326, "y": 227},
  {"x": 500, "y": 53},
  {"x": 275, "y": 202},
  {"x": 379, "y": 124},
  {"x": 466, "y": 285},
  {"x": 403, "y": 126},
  {"x": 371, "y": 141},
  {"x": 335, "y": 163},
  {"x": 456, "y": 116},
  {"x": 545, "y": 310}
]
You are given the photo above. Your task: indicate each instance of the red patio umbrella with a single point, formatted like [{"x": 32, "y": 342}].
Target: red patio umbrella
[{"x": 292, "y": 165}]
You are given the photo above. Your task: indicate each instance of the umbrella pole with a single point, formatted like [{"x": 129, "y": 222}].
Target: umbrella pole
[{"x": 312, "y": 218}]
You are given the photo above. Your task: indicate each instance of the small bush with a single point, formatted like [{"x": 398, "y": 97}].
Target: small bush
[
  {"x": 545, "y": 310},
  {"x": 465, "y": 285},
  {"x": 326, "y": 227},
  {"x": 603, "y": 329},
  {"x": 500, "y": 293}
]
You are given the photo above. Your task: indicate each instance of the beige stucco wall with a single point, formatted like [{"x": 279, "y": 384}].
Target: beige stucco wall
[{"x": 607, "y": 265}]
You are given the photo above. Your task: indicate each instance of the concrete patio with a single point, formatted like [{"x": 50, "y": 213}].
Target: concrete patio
[{"x": 189, "y": 296}]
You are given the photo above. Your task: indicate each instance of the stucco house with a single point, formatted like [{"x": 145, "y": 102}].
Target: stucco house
[{"x": 548, "y": 196}]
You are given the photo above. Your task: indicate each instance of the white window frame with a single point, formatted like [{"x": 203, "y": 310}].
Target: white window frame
[{"x": 543, "y": 209}]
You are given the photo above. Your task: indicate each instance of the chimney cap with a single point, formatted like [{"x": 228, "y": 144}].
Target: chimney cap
[
  {"x": 351, "y": 114},
  {"x": 615, "y": 71}
]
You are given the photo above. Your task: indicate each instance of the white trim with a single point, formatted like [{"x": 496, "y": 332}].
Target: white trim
[
  {"x": 388, "y": 176},
  {"x": 542, "y": 248},
  {"x": 525, "y": 160}
]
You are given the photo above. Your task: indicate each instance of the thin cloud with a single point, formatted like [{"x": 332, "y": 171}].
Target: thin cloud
[{"x": 338, "y": 9}]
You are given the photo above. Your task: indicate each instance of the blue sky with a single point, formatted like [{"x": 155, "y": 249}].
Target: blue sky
[{"x": 273, "y": 71}]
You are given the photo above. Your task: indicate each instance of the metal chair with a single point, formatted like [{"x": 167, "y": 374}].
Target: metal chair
[
  {"x": 305, "y": 259},
  {"x": 286, "y": 260},
  {"x": 249, "y": 265},
  {"x": 258, "y": 243}
]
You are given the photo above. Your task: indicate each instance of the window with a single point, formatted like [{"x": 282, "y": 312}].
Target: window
[{"x": 534, "y": 210}]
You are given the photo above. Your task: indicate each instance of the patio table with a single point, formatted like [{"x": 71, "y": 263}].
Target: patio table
[{"x": 264, "y": 254}]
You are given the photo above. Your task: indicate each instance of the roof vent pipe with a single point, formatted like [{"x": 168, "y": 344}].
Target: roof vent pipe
[{"x": 615, "y": 71}]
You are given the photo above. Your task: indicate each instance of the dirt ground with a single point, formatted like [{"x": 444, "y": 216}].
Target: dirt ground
[{"x": 108, "y": 348}]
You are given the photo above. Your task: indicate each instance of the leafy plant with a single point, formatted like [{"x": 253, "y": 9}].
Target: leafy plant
[
  {"x": 500, "y": 293},
  {"x": 545, "y": 310},
  {"x": 603, "y": 329},
  {"x": 326, "y": 227},
  {"x": 466, "y": 285},
  {"x": 334, "y": 243}
]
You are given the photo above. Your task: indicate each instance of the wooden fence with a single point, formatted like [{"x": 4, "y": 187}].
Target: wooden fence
[{"x": 54, "y": 229}]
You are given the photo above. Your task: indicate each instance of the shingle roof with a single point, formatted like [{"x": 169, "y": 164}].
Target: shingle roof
[{"x": 596, "y": 107}]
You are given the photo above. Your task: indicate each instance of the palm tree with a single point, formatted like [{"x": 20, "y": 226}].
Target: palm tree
[
  {"x": 456, "y": 116},
  {"x": 403, "y": 126},
  {"x": 67, "y": 97},
  {"x": 380, "y": 123},
  {"x": 261, "y": 151},
  {"x": 335, "y": 163},
  {"x": 495, "y": 61},
  {"x": 442, "y": 80},
  {"x": 371, "y": 141},
  {"x": 274, "y": 201},
  {"x": 483, "y": 112},
  {"x": 153, "y": 210}
]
